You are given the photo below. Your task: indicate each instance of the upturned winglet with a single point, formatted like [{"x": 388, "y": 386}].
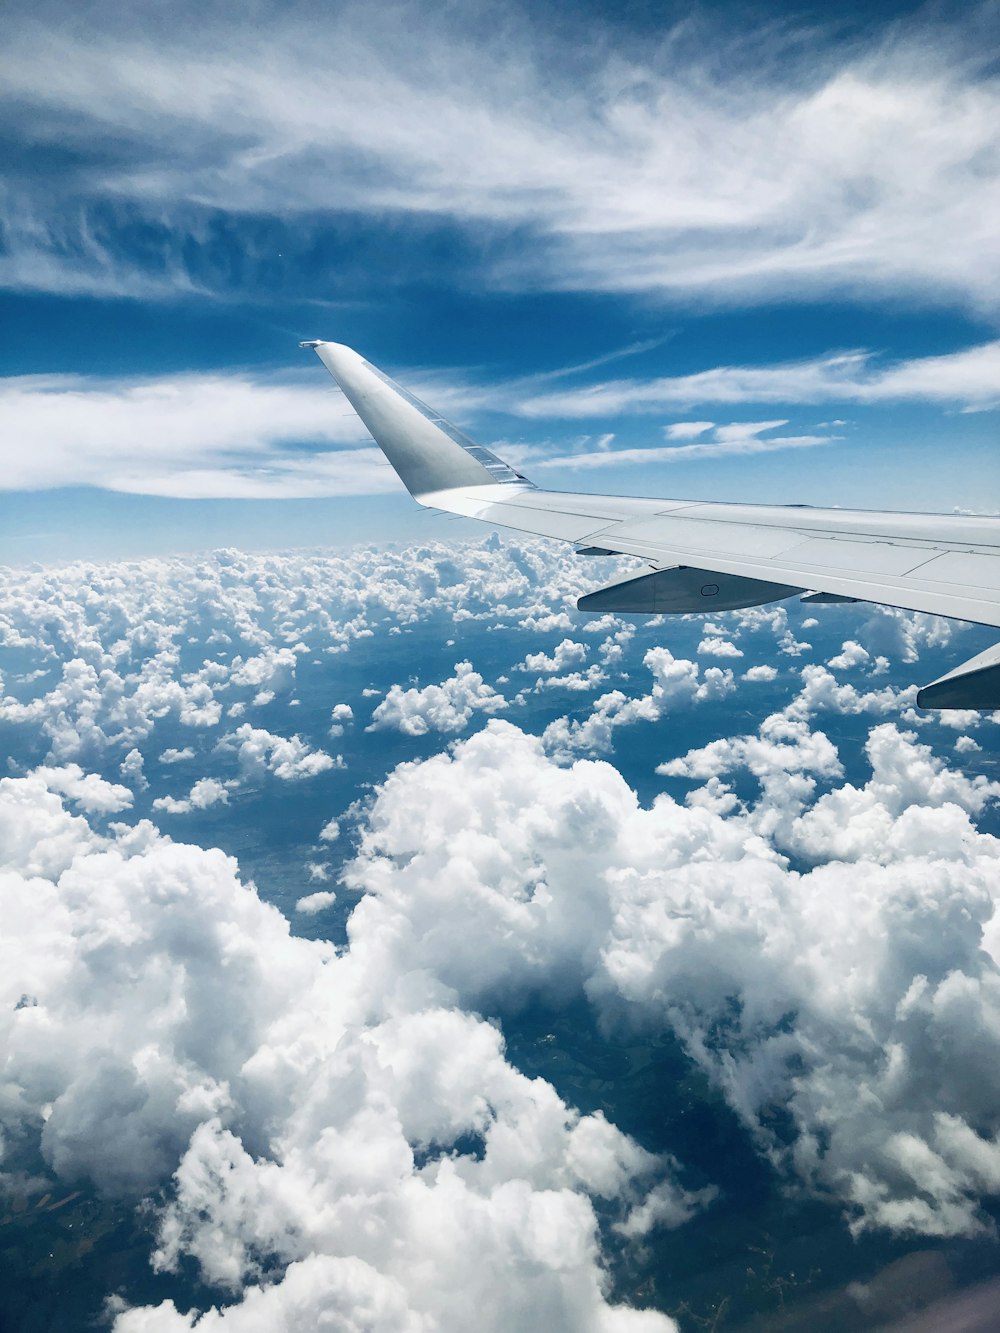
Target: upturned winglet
[{"x": 428, "y": 452}]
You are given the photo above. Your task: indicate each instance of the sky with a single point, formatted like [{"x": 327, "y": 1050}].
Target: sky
[
  {"x": 384, "y": 944},
  {"x": 722, "y": 252}
]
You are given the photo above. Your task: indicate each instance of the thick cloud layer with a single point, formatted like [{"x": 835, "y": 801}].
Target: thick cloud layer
[
  {"x": 343, "y": 1130},
  {"x": 861, "y": 995},
  {"x": 160, "y": 1018}
]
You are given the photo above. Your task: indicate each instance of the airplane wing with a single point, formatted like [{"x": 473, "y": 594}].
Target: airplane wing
[{"x": 705, "y": 557}]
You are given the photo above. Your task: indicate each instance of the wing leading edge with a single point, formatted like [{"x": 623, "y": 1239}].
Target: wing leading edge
[{"x": 705, "y": 556}]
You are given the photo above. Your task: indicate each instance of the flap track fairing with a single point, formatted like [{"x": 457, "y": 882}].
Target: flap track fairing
[
  {"x": 974, "y": 684},
  {"x": 684, "y": 590}
]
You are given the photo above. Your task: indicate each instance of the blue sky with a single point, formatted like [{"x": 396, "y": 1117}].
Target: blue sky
[{"x": 738, "y": 253}]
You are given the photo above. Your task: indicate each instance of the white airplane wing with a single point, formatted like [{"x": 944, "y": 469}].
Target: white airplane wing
[{"x": 705, "y": 557}]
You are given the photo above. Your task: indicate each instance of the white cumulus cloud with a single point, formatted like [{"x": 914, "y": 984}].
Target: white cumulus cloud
[
  {"x": 447, "y": 707},
  {"x": 288, "y": 757},
  {"x": 311, "y": 1122},
  {"x": 91, "y": 793},
  {"x": 676, "y": 682},
  {"x": 205, "y": 793},
  {"x": 861, "y": 995}
]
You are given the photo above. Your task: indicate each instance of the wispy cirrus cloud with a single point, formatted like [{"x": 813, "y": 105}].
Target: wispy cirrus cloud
[
  {"x": 738, "y": 437},
  {"x": 187, "y": 436},
  {"x": 968, "y": 379},
  {"x": 727, "y": 165},
  {"x": 236, "y": 436}
]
